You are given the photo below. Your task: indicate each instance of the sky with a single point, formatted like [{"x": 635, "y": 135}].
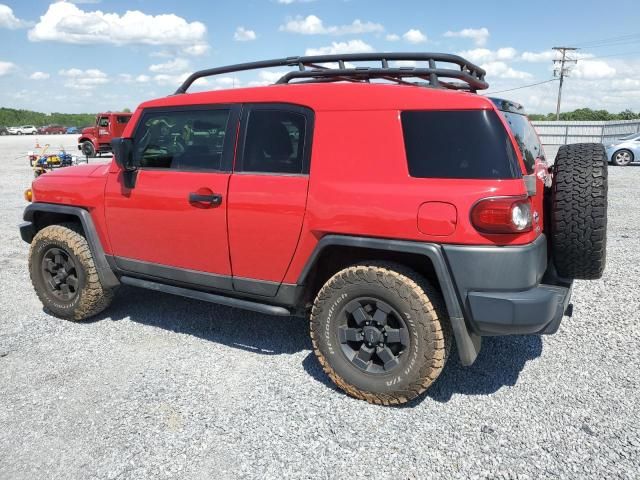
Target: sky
[{"x": 96, "y": 55}]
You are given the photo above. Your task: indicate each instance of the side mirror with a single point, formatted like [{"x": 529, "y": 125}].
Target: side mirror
[{"x": 123, "y": 152}]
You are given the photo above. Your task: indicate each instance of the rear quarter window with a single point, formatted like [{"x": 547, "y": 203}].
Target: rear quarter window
[{"x": 458, "y": 144}]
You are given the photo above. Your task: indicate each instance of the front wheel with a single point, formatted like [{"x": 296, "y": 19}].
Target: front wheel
[
  {"x": 88, "y": 149},
  {"x": 64, "y": 274},
  {"x": 379, "y": 332},
  {"x": 622, "y": 158}
]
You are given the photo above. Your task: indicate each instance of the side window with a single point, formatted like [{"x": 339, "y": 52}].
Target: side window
[
  {"x": 122, "y": 119},
  {"x": 181, "y": 140},
  {"x": 458, "y": 144},
  {"x": 103, "y": 122},
  {"x": 274, "y": 142},
  {"x": 527, "y": 139}
]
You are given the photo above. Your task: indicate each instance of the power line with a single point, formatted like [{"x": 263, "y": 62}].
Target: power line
[
  {"x": 591, "y": 43},
  {"x": 523, "y": 86},
  {"x": 613, "y": 55}
]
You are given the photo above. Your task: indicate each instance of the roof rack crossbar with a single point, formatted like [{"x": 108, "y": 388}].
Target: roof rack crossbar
[{"x": 309, "y": 68}]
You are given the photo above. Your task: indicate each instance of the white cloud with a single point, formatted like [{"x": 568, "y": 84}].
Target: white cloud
[
  {"x": 84, "y": 79},
  {"x": 128, "y": 78},
  {"x": 535, "y": 57},
  {"x": 177, "y": 65},
  {"x": 478, "y": 35},
  {"x": 9, "y": 20},
  {"x": 502, "y": 70},
  {"x": 593, "y": 70},
  {"x": 39, "y": 76},
  {"x": 67, "y": 23},
  {"x": 243, "y": 35},
  {"x": 478, "y": 55},
  {"x": 392, "y": 37},
  {"x": 6, "y": 67},
  {"x": 352, "y": 46},
  {"x": 313, "y": 25},
  {"x": 414, "y": 36}
]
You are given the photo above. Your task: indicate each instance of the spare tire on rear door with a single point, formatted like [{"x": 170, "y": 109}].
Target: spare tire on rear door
[{"x": 579, "y": 211}]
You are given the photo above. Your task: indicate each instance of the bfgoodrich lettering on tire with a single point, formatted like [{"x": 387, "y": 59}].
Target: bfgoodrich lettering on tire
[
  {"x": 64, "y": 274},
  {"x": 579, "y": 211},
  {"x": 379, "y": 332}
]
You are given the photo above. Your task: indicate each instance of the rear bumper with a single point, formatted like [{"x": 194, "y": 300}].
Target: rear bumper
[
  {"x": 508, "y": 290},
  {"x": 539, "y": 310}
]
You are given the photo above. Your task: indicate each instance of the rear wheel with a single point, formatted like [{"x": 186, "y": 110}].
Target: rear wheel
[
  {"x": 622, "y": 158},
  {"x": 88, "y": 149},
  {"x": 579, "y": 211},
  {"x": 379, "y": 332}
]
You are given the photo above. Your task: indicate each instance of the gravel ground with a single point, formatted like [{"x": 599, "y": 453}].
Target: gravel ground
[{"x": 164, "y": 387}]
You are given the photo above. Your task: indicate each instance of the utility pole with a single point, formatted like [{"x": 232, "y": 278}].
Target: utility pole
[{"x": 560, "y": 70}]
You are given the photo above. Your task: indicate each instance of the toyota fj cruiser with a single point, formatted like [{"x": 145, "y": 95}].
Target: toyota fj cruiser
[{"x": 393, "y": 206}]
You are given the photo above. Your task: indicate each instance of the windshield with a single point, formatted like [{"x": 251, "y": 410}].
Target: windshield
[
  {"x": 527, "y": 139},
  {"x": 630, "y": 137}
]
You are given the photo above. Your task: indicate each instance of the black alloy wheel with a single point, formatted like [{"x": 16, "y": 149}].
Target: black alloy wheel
[
  {"x": 372, "y": 335},
  {"x": 60, "y": 274}
]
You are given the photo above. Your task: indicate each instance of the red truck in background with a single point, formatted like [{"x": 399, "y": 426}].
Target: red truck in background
[{"x": 97, "y": 139}]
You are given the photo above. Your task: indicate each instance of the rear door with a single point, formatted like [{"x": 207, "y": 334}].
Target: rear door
[
  {"x": 172, "y": 224},
  {"x": 268, "y": 194}
]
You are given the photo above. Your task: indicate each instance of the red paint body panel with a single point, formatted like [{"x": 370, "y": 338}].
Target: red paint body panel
[
  {"x": 268, "y": 225},
  {"x": 437, "y": 218},
  {"x": 155, "y": 222},
  {"x": 265, "y": 220}
]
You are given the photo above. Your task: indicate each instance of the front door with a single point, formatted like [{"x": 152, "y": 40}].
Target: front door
[{"x": 172, "y": 223}]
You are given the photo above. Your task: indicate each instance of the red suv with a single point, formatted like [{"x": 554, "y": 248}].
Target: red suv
[
  {"x": 52, "y": 130},
  {"x": 393, "y": 206}
]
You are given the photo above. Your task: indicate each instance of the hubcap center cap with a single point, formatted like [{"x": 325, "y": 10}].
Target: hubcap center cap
[{"x": 372, "y": 335}]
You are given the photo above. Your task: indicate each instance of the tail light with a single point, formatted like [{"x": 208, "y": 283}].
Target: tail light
[{"x": 502, "y": 215}]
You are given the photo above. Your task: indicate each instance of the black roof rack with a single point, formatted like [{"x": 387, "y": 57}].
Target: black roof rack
[{"x": 309, "y": 68}]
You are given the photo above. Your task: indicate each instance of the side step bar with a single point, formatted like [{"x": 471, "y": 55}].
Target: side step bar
[{"x": 207, "y": 297}]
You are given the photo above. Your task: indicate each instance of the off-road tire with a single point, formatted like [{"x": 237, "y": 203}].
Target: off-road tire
[
  {"x": 91, "y": 297},
  {"x": 423, "y": 309},
  {"x": 87, "y": 149},
  {"x": 624, "y": 160},
  {"x": 579, "y": 211}
]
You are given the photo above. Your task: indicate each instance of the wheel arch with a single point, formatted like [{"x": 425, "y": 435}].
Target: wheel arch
[
  {"x": 40, "y": 215},
  {"x": 335, "y": 252}
]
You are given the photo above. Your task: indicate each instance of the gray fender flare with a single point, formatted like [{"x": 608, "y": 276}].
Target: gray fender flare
[
  {"x": 468, "y": 343},
  {"x": 28, "y": 231}
]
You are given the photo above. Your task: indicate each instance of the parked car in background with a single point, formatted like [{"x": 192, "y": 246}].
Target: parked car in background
[
  {"x": 73, "y": 130},
  {"x": 23, "y": 130},
  {"x": 625, "y": 150},
  {"x": 97, "y": 138},
  {"x": 52, "y": 130},
  {"x": 4, "y": 131}
]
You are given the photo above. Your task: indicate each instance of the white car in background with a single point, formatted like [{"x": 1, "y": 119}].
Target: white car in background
[{"x": 24, "y": 130}]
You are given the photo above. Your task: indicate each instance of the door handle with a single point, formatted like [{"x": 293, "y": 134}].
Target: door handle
[{"x": 213, "y": 199}]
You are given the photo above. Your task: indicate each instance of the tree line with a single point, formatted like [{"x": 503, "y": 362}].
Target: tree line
[
  {"x": 587, "y": 114},
  {"x": 11, "y": 117}
]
